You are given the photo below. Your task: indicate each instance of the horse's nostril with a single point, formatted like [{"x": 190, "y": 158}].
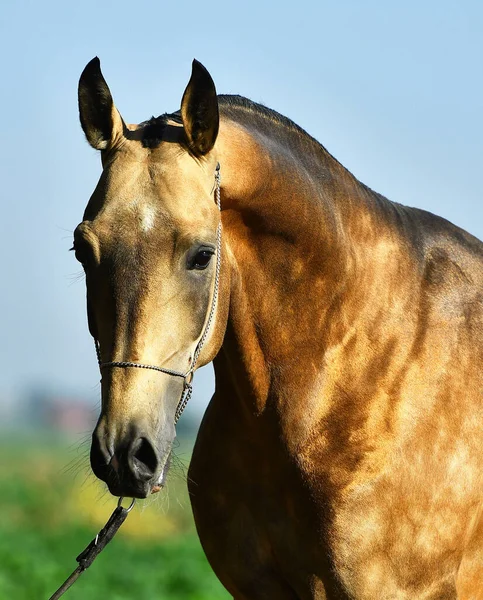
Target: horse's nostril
[
  {"x": 144, "y": 460},
  {"x": 99, "y": 454}
]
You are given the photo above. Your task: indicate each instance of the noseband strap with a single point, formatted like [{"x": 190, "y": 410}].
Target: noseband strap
[{"x": 188, "y": 376}]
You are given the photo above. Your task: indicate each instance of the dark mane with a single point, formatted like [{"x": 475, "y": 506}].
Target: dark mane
[
  {"x": 252, "y": 114},
  {"x": 269, "y": 121},
  {"x": 244, "y": 111},
  {"x": 153, "y": 130},
  {"x": 234, "y": 106}
]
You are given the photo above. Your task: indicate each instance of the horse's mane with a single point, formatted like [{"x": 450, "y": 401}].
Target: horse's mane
[
  {"x": 269, "y": 121},
  {"x": 152, "y": 130},
  {"x": 256, "y": 116},
  {"x": 242, "y": 109},
  {"x": 236, "y": 108},
  {"x": 252, "y": 114},
  {"x": 245, "y": 111}
]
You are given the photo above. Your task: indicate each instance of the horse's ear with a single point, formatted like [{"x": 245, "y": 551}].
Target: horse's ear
[
  {"x": 199, "y": 111},
  {"x": 99, "y": 118}
]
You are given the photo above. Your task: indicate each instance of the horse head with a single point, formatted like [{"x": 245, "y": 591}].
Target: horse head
[{"x": 147, "y": 244}]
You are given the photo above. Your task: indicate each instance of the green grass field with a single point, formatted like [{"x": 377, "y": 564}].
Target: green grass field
[{"x": 49, "y": 512}]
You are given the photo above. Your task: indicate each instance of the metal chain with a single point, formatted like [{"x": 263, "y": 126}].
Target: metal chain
[
  {"x": 187, "y": 388},
  {"x": 185, "y": 398}
]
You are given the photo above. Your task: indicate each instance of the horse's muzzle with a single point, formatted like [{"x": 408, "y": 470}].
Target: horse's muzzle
[{"x": 131, "y": 466}]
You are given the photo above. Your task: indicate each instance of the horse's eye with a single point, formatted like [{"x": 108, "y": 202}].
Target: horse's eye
[
  {"x": 79, "y": 256},
  {"x": 202, "y": 259},
  {"x": 81, "y": 252}
]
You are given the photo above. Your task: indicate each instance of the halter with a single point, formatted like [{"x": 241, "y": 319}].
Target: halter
[{"x": 188, "y": 375}]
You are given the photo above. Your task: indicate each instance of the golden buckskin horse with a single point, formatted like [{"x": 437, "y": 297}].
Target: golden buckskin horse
[{"x": 341, "y": 455}]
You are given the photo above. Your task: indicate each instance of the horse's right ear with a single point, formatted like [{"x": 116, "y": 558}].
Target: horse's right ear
[
  {"x": 99, "y": 118},
  {"x": 199, "y": 111}
]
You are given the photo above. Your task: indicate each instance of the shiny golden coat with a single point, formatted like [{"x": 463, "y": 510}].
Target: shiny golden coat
[{"x": 340, "y": 456}]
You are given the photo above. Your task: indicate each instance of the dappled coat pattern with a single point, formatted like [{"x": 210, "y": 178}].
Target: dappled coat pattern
[{"x": 340, "y": 456}]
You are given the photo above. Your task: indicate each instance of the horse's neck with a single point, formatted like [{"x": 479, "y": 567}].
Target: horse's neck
[{"x": 290, "y": 261}]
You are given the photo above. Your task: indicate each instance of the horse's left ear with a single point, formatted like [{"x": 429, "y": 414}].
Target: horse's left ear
[
  {"x": 199, "y": 111},
  {"x": 100, "y": 120}
]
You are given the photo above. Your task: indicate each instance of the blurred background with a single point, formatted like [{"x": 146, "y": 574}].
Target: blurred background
[{"x": 393, "y": 90}]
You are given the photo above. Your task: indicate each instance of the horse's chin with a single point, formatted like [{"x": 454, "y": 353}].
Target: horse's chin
[{"x": 138, "y": 491}]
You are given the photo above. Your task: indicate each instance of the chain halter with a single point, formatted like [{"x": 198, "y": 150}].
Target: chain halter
[{"x": 188, "y": 375}]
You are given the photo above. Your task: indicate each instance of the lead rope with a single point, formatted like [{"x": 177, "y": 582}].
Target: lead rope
[
  {"x": 87, "y": 556},
  {"x": 188, "y": 376}
]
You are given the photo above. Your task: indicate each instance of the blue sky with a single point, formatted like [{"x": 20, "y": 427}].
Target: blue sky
[{"x": 392, "y": 89}]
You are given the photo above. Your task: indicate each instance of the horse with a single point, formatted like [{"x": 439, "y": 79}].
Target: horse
[{"x": 340, "y": 455}]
